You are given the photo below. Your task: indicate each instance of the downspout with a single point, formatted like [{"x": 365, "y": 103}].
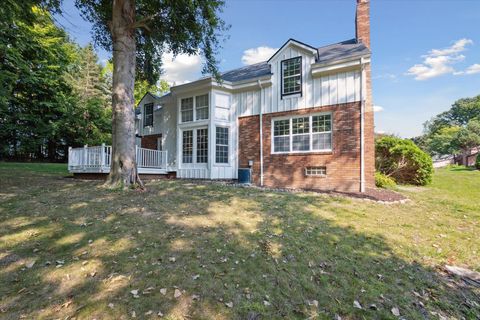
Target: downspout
[
  {"x": 362, "y": 126},
  {"x": 261, "y": 133}
]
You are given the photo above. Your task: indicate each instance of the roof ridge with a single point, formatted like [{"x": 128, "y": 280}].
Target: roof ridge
[{"x": 341, "y": 42}]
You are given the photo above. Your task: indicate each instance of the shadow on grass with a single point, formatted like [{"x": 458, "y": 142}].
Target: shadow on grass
[{"x": 231, "y": 253}]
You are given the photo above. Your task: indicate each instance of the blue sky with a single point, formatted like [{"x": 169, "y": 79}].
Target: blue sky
[{"x": 426, "y": 54}]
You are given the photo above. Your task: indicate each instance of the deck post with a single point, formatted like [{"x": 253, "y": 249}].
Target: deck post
[
  {"x": 85, "y": 157},
  {"x": 69, "y": 157},
  {"x": 102, "y": 159}
]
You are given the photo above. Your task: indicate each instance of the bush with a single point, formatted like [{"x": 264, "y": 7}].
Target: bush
[
  {"x": 477, "y": 162},
  {"x": 403, "y": 160},
  {"x": 383, "y": 181}
]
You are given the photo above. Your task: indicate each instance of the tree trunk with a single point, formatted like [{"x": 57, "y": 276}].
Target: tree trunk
[{"x": 123, "y": 170}]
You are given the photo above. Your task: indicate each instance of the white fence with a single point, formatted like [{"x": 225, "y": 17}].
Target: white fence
[{"x": 98, "y": 159}]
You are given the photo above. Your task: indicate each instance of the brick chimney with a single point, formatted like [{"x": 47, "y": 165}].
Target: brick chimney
[{"x": 362, "y": 22}]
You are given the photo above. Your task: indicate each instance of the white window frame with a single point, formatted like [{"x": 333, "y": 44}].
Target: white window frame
[
  {"x": 145, "y": 125},
  {"x": 194, "y": 146},
  {"x": 194, "y": 108},
  {"x": 201, "y": 107},
  {"x": 229, "y": 131},
  {"x": 310, "y": 130}
]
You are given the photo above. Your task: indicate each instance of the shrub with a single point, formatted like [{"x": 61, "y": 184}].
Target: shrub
[
  {"x": 477, "y": 162},
  {"x": 403, "y": 160},
  {"x": 383, "y": 181}
]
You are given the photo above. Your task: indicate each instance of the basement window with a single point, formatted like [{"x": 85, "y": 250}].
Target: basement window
[{"x": 316, "y": 171}]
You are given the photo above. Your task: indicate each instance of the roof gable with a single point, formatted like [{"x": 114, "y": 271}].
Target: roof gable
[{"x": 296, "y": 43}]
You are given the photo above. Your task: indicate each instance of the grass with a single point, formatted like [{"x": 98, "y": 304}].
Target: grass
[{"x": 71, "y": 249}]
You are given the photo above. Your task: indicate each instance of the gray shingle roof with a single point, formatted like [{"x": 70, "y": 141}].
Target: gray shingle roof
[
  {"x": 332, "y": 52},
  {"x": 341, "y": 50},
  {"x": 247, "y": 72}
]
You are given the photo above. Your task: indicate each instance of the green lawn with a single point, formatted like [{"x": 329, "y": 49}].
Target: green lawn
[{"x": 72, "y": 249}]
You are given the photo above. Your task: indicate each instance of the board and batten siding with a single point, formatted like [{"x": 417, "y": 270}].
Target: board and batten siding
[
  {"x": 343, "y": 87},
  {"x": 334, "y": 88}
]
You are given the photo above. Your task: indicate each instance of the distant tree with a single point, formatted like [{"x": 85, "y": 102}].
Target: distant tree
[
  {"x": 443, "y": 141},
  {"x": 88, "y": 120},
  {"x": 461, "y": 112},
  {"x": 468, "y": 137},
  {"x": 34, "y": 56}
]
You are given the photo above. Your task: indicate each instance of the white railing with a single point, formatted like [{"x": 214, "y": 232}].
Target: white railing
[
  {"x": 149, "y": 158},
  {"x": 98, "y": 159}
]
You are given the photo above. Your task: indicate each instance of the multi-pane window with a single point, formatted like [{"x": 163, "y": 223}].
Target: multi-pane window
[
  {"x": 221, "y": 145},
  {"x": 148, "y": 115},
  {"x": 186, "y": 108},
  {"x": 281, "y": 136},
  {"x": 292, "y": 76},
  {"x": 202, "y": 145},
  {"x": 201, "y": 107},
  {"x": 303, "y": 134},
  {"x": 322, "y": 132},
  {"x": 316, "y": 171},
  {"x": 187, "y": 146}
]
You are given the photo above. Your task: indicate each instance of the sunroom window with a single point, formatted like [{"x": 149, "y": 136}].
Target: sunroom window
[
  {"x": 201, "y": 107},
  {"x": 221, "y": 145},
  {"x": 187, "y": 109},
  {"x": 291, "y": 76},
  {"x": 302, "y": 134},
  {"x": 202, "y": 145},
  {"x": 187, "y": 146}
]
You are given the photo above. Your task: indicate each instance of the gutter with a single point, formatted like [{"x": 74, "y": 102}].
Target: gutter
[
  {"x": 261, "y": 133},
  {"x": 362, "y": 125}
]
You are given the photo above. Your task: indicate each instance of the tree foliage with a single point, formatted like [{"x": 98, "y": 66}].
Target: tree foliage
[
  {"x": 51, "y": 96},
  {"x": 455, "y": 130},
  {"x": 178, "y": 26},
  {"x": 403, "y": 161}
]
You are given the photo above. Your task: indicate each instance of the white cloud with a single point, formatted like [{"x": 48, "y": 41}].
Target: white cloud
[
  {"x": 377, "y": 108},
  {"x": 181, "y": 69},
  {"x": 439, "y": 61},
  {"x": 259, "y": 54},
  {"x": 473, "y": 69}
]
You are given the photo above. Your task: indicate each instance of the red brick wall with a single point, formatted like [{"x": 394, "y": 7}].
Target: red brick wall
[
  {"x": 150, "y": 142},
  {"x": 288, "y": 170},
  {"x": 362, "y": 22}
]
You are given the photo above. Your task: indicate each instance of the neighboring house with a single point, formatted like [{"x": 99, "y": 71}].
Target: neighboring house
[
  {"x": 302, "y": 119},
  {"x": 468, "y": 158}
]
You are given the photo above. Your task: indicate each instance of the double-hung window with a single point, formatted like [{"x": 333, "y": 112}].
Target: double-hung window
[
  {"x": 291, "y": 76},
  {"x": 302, "y": 134},
  {"x": 148, "y": 115},
  {"x": 201, "y": 107},
  {"x": 221, "y": 145},
  {"x": 186, "y": 108}
]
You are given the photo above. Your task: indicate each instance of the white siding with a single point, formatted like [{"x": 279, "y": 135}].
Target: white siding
[{"x": 331, "y": 89}]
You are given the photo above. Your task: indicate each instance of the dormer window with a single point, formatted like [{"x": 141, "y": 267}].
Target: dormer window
[
  {"x": 148, "y": 119},
  {"x": 292, "y": 76}
]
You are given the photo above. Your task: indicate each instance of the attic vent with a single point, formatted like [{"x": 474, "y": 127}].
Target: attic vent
[{"x": 316, "y": 171}]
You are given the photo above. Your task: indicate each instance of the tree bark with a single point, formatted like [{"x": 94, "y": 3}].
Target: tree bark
[{"x": 123, "y": 170}]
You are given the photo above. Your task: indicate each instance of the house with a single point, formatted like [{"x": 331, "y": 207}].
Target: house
[{"x": 301, "y": 119}]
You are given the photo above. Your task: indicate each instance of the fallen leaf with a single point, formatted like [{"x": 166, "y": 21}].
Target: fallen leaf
[
  {"x": 195, "y": 277},
  {"x": 149, "y": 312},
  {"x": 160, "y": 314},
  {"x": 395, "y": 311},
  {"x": 177, "y": 293},
  {"x": 266, "y": 303},
  {"x": 30, "y": 264},
  {"x": 111, "y": 305},
  {"x": 229, "y": 304},
  {"x": 172, "y": 259},
  {"x": 163, "y": 291},
  {"x": 357, "y": 304}
]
